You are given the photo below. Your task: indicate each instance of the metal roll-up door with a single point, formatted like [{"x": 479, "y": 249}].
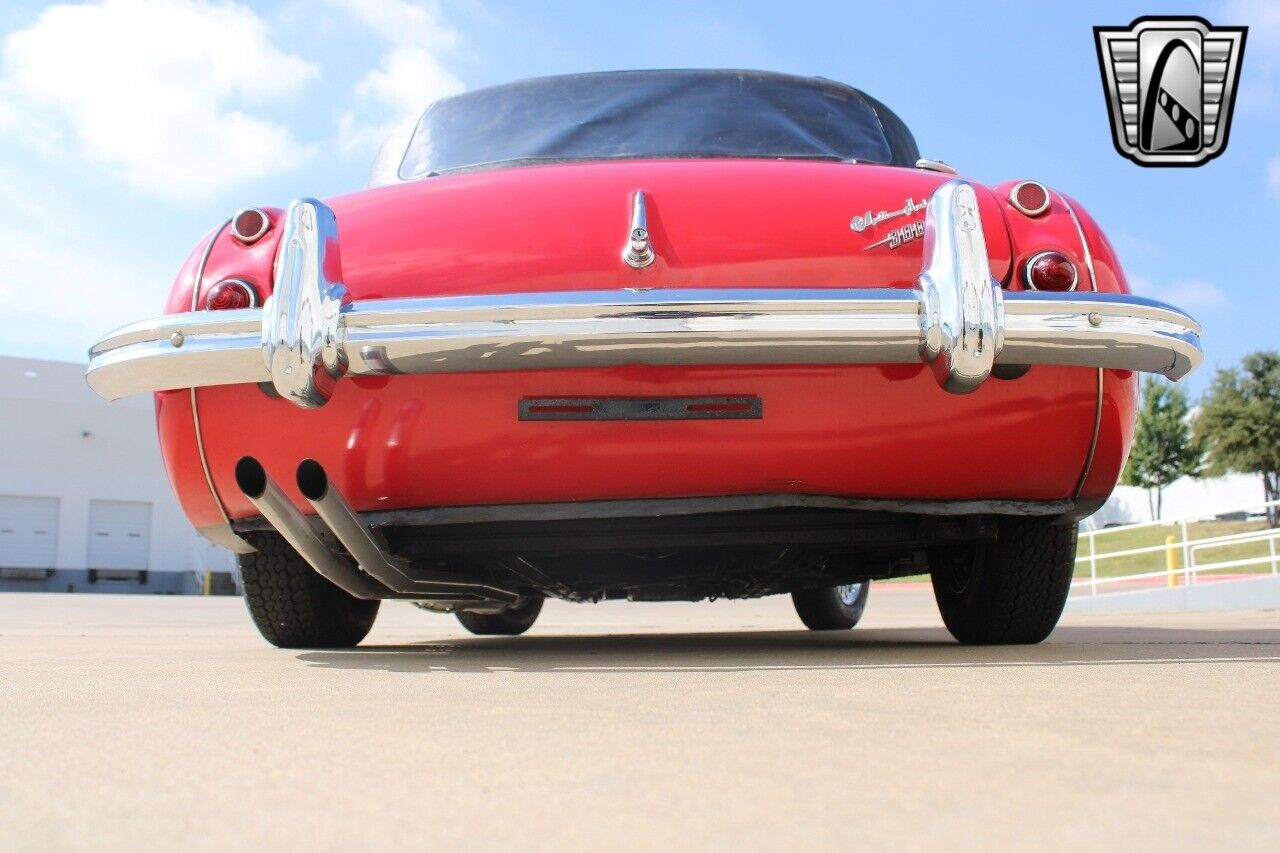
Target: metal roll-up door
[
  {"x": 28, "y": 532},
  {"x": 119, "y": 535}
]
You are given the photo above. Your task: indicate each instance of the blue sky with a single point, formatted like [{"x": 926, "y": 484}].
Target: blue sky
[{"x": 129, "y": 127}]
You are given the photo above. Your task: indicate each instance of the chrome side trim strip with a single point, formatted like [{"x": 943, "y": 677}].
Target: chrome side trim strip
[
  {"x": 1084, "y": 244},
  {"x": 1093, "y": 442},
  {"x": 204, "y": 260},
  {"x": 196, "y": 284},
  {"x": 1093, "y": 286},
  {"x": 204, "y": 460}
]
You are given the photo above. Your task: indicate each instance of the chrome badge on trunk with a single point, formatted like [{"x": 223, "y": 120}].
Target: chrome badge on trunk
[{"x": 1170, "y": 85}]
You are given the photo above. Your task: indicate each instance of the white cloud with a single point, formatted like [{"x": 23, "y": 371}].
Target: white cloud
[
  {"x": 157, "y": 90},
  {"x": 56, "y": 310},
  {"x": 1191, "y": 293},
  {"x": 409, "y": 75},
  {"x": 402, "y": 21},
  {"x": 1273, "y": 173},
  {"x": 63, "y": 282}
]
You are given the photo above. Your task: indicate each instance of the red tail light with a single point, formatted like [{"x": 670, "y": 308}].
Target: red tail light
[
  {"x": 229, "y": 294},
  {"x": 1052, "y": 271},
  {"x": 249, "y": 225},
  {"x": 1029, "y": 198}
]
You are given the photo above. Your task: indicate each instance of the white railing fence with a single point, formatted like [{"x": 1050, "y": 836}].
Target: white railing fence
[{"x": 1185, "y": 557}]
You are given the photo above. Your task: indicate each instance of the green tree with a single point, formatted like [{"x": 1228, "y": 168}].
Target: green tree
[
  {"x": 1163, "y": 448},
  {"x": 1239, "y": 422}
]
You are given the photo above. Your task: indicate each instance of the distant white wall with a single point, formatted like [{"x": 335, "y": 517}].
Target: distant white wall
[
  {"x": 1186, "y": 497},
  {"x": 58, "y": 439}
]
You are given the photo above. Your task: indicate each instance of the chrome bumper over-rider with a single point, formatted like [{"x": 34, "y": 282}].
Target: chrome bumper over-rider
[{"x": 958, "y": 320}]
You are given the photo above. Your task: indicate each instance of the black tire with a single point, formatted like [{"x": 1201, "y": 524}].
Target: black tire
[
  {"x": 1010, "y": 591},
  {"x": 293, "y": 606},
  {"x": 833, "y": 608},
  {"x": 512, "y": 621}
]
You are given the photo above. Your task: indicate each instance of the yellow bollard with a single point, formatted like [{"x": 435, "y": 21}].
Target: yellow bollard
[
  {"x": 1172, "y": 559},
  {"x": 208, "y": 581}
]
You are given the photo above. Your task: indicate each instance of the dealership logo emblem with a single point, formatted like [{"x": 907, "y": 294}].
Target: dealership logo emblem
[{"x": 1170, "y": 85}]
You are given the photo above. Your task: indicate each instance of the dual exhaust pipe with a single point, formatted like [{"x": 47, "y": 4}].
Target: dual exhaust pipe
[{"x": 367, "y": 570}]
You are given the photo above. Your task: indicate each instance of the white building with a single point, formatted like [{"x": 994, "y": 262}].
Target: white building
[
  {"x": 85, "y": 504},
  {"x": 1184, "y": 498}
]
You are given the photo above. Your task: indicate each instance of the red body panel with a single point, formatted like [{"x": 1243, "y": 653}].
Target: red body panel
[
  {"x": 854, "y": 431},
  {"x": 713, "y": 223},
  {"x": 181, "y": 455},
  {"x": 418, "y": 441}
]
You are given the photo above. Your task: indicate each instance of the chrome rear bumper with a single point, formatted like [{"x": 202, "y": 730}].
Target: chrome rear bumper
[{"x": 309, "y": 334}]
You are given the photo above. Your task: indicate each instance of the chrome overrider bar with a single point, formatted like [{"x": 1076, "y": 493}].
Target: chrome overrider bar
[{"x": 957, "y": 319}]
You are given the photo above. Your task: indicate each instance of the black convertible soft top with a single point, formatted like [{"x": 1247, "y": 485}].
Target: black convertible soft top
[{"x": 656, "y": 114}]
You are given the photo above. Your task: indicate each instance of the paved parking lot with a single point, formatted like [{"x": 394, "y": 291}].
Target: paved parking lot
[{"x": 135, "y": 721}]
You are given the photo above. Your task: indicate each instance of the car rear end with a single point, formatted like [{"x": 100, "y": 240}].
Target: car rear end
[
  {"x": 656, "y": 430},
  {"x": 652, "y": 377}
]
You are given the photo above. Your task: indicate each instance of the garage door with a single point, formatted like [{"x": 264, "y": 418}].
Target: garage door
[
  {"x": 28, "y": 532},
  {"x": 119, "y": 535}
]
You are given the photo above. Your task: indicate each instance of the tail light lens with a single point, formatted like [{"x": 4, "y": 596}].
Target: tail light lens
[
  {"x": 1029, "y": 198},
  {"x": 1052, "y": 271},
  {"x": 249, "y": 225},
  {"x": 230, "y": 294}
]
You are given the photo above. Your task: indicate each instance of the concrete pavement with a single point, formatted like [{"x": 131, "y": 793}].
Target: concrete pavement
[{"x": 132, "y": 721}]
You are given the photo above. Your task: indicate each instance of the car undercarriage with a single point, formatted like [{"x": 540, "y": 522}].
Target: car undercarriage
[
  {"x": 734, "y": 554},
  {"x": 671, "y": 550}
]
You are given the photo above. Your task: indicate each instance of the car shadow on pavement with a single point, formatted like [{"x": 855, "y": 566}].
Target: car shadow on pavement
[{"x": 707, "y": 652}]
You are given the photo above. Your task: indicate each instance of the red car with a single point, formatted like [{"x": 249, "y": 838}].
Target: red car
[{"x": 661, "y": 335}]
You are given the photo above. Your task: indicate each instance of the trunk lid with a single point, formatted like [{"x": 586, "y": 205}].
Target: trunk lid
[{"x": 712, "y": 223}]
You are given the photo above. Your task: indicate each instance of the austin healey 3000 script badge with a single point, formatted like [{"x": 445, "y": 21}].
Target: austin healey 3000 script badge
[{"x": 1170, "y": 85}]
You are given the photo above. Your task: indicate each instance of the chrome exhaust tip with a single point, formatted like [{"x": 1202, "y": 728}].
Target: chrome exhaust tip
[
  {"x": 251, "y": 477},
  {"x": 253, "y": 480},
  {"x": 312, "y": 480},
  {"x": 372, "y": 556}
]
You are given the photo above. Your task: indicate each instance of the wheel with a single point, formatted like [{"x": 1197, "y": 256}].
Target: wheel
[
  {"x": 293, "y": 606},
  {"x": 832, "y": 608},
  {"x": 514, "y": 620},
  {"x": 1009, "y": 591}
]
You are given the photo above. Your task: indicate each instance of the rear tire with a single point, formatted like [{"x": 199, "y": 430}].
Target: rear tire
[
  {"x": 833, "y": 608},
  {"x": 1010, "y": 591},
  {"x": 510, "y": 622},
  {"x": 293, "y": 606}
]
